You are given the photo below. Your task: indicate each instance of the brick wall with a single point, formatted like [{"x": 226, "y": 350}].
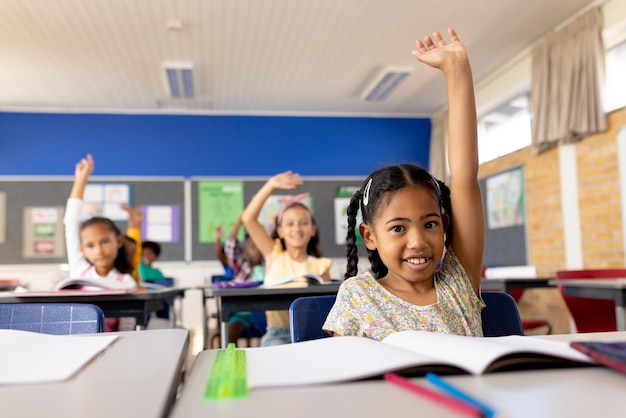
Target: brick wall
[{"x": 599, "y": 206}]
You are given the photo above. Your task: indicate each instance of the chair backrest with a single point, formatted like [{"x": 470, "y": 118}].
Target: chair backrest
[
  {"x": 500, "y": 316},
  {"x": 590, "y": 314},
  {"x": 52, "y": 318},
  {"x": 307, "y": 315}
]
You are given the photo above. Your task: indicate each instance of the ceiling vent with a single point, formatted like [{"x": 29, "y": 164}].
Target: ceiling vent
[
  {"x": 179, "y": 77},
  {"x": 385, "y": 83}
]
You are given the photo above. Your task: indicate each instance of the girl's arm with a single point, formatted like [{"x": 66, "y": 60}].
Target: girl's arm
[
  {"x": 467, "y": 204},
  {"x": 83, "y": 170},
  {"x": 135, "y": 216},
  {"x": 236, "y": 226},
  {"x": 285, "y": 181},
  {"x": 219, "y": 247},
  {"x": 72, "y": 217}
]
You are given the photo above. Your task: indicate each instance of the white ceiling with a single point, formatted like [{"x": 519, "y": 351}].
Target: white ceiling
[{"x": 250, "y": 56}]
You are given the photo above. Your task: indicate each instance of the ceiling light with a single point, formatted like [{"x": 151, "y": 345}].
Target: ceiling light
[
  {"x": 385, "y": 83},
  {"x": 179, "y": 77}
]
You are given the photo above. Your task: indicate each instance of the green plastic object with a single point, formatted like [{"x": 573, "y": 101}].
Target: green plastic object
[{"x": 228, "y": 378}]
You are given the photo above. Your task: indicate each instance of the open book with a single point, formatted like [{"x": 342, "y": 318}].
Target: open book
[
  {"x": 337, "y": 359},
  {"x": 84, "y": 284},
  {"x": 302, "y": 280}
]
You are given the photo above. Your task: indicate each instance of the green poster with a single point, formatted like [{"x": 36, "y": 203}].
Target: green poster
[
  {"x": 219, "y": 204},
  {"x": 342, "y": 200}
]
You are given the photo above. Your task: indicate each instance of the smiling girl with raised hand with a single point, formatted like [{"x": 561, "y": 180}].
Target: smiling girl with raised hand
[
  {"x": 416, "y": 283},
  {"x": 291, "y": 250}
]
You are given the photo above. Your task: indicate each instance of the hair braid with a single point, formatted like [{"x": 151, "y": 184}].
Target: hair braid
[{"x": 351, "y": 247}]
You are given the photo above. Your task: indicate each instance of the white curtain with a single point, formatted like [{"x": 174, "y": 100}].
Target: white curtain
[
  {"x": 567, "y": 83},
  {"x": 438, "y": 162}
]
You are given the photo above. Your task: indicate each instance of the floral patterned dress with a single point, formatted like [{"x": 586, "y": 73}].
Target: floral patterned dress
[{"x": 365, "y": 308}]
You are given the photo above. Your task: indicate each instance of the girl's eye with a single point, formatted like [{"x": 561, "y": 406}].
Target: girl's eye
[
  {"x": 431, "y": 225},
  {"x": 397, "y": 228}
]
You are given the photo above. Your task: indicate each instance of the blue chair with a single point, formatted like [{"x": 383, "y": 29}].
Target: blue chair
[
  {"x": 52, "y": 318},
  {"x": 500, "y": 316},
  {"x": 307, "y": 315}
]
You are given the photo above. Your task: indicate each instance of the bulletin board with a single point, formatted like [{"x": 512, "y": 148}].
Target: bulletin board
[
  {"x": 324, "y": 193},
  {"x": 21, "y": 193},
  {"x": 504, "y": 201}
]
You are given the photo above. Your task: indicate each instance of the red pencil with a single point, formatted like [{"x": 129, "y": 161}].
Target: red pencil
[{"x": 443, "y": 400}]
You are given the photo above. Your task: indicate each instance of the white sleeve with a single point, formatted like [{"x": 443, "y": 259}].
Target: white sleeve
[{"x": 72, "y": 219}]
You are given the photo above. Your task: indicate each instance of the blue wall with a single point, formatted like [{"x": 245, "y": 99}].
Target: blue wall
[{"x": 175, "y": 145}]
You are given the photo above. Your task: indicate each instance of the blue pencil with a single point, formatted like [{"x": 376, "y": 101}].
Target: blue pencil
[{"x": 459, "y": 394}]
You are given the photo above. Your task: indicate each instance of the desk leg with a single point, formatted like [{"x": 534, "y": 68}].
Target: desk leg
[
  {"x": 224, "y": 333},
  {"x": 205, "y": 324},
  {"x": 620, "y": 315}
]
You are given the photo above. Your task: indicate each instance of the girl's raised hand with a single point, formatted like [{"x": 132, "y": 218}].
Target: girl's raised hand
[
  {"x": 435, "y": 52},
  {"x": 135, "y": 215},
  {"x": 286, "y": 181},
  {"x": 84, "y": 167}
]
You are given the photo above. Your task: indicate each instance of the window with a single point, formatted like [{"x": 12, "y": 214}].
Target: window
[
  {"x": 504, "y": 130},
  {"x": 615, "y": 88}
]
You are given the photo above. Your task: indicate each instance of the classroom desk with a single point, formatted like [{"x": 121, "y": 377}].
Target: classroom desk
[
  {"x": 256, "y": 299},
  {"x": 506, "y": 285},
  {"x": 614, "y": 289},
  {"x": 554, "y": 393},
  {"x": 139, "y": 304},
  {"x": 137, "y": 377}
]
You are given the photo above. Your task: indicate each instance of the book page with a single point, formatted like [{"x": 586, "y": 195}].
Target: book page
[
  {"x": 67, "y": 292},
  {"x": 92, "y": 284},
  {"x": 30, "y": 357},
  {"x": 326, "y": 360},
  {"x": 476, "y": 354},
  {"x": 301, "y": 280}
]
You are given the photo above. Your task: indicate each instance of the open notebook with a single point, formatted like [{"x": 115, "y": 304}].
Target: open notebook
[
  {"x": 30, "y": 357},
  {"x": 337, "y": 359}
]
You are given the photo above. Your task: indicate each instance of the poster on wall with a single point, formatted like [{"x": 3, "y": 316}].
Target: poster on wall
[
  {"x": 43, "y": 232},
  {"x": 506, "y": 199},
  {"x": 106, "y": 199},
  {"x": 219, "y": 204},
  {"x": 342, "y": 201},
  {"x": 161, "y": 223},
  {"x": 3, "y": 217}
]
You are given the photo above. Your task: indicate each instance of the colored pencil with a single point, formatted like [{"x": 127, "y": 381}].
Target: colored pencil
[
  {"x": 446, "y": 401},
  {"x": 457, "y": 393}
]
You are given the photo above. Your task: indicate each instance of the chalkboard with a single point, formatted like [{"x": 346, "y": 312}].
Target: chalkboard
[
  {"x": 21, "y": 193},
  {"x": 506, "y": 241},
  {"x": 323, "y": 192}
]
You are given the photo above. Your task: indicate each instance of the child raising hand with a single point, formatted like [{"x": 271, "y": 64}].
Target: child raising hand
[
  {"x": 292, "y": 250},
  {"x": 415, "y": 282},
  {"x": 95, "y": 247}
]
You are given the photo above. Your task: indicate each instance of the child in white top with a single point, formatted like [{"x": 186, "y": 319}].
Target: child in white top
[
  {"x": 415, "y": 283},
  {"x": 95, "y": 247}
]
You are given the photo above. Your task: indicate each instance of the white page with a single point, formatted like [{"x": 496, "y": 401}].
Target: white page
[
  {"x": 477, "y": 353},
  {"x": 326, "y": 360},
  {"x": 29, "y": 357}
]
